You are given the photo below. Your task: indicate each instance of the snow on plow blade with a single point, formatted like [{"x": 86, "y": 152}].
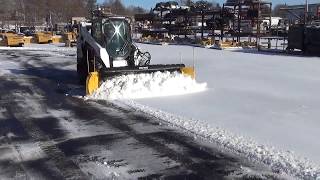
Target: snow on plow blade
[
  {"x": 147, "y": 85},
  {"x": 147, "y": 81},
  {"x": 111, "y": 72}
]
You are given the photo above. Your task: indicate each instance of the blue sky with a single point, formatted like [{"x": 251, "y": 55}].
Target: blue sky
[{"x": 147, "y": 4}]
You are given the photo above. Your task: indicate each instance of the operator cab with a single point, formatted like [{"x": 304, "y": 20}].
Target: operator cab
[{"x": 114, "y": 34}]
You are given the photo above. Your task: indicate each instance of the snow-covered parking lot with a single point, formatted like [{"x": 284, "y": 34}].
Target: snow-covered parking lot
[
  {"x": 244, "y": 106},
  {"x": 271, "y": 100},
  {"x": 262, "y": 105},
  {"x": 49, "y": 131}
]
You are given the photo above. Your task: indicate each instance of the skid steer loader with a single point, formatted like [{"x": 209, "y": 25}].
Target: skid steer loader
[{"x": 105, "y": 49}]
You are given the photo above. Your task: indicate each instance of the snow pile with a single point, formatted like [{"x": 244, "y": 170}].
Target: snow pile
[
  {"x": 269, "y": 98},
  {"x": 41, "y": 47},
  {"x": 135, "y": 86}
]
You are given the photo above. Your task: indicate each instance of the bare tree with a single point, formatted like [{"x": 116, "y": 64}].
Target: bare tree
[
  {"x": 132, "y": 10},
  {"x": 277, "y": 10},
  {"x": 91, "y": 4},
  {"x": 187, "y": 2},
  {"x": 34, "y": 12},
  {"x": 116, "y": 6}
]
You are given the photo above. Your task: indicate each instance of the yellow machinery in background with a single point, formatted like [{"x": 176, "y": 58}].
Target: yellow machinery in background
[
  {"x": 206, "y": 41},
  {"x": 232, "y": 44},
  {"x": 72, "y": 31},
  {"x": 70, "y": 39},
  {"x": 11, "y": 39},
  {"x": 43, "y": 37},
  {"x": 227, "y": 44},
  {"x": 57, "y": 39},
  {"x": 28, "y": 39}
]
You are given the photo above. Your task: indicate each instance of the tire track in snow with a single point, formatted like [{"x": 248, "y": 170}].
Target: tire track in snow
[
  {"x": 19, "y": 109},
  {"x": 68, "y": 169}
]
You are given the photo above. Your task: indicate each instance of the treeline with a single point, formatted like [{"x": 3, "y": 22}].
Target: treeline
[
  {"x": 117, "y": 7},
  {"x": 278, "y": 12},
  {"x": 204, "y": 3},
  {"x": 36, "y": 12},
  {"x": 31, "y": 12}
]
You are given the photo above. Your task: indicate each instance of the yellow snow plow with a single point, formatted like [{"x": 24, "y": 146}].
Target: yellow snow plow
[{"x": 189, "y": 71}]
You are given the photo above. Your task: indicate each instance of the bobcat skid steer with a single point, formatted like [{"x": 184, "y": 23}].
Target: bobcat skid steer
[{"x": 105, "y": 49}]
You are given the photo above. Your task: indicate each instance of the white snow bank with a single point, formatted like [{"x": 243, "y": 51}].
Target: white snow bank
[
  {"x": 272, "y": 99},
  {"x": 41, "y": 47},
  {"x": 279, "y": 161},
  {"x": 136, "y": 86}
]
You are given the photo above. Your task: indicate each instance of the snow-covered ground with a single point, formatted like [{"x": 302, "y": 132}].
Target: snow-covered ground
[
  {"x": 271, "y": 99},
  {"x": 42, "y": 130},
  {"x": 265, "y": 106},
  {"x": 42, "y": 50}
]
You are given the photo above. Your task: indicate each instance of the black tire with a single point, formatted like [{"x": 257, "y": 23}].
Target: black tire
[
  {"x": 147, "y": 57},
  {"x": 82, "y": 65},
  {"x": 131, "y": 61},
  {"x": 82, "y": 71}
]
